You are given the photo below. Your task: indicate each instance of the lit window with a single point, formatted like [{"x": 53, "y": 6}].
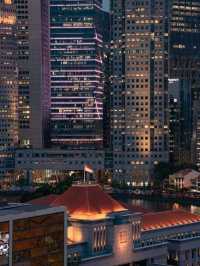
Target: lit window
[{"x": 123, "y": 237}]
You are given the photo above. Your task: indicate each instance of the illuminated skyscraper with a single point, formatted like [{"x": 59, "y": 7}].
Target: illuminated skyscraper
[
  {"x": 180, "y": 120},
  {"x": 139, "y": 87},
  {"x": 184, "y": 56},
  {"x": 76, "y": 73},
  {"x": 34, "y": 71},
  {"x": 8, "y": 86}
]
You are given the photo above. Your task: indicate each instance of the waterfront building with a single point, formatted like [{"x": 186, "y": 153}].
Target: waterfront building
[
  {"x": 185, "y": 179},
  {"x": 184, "y": 62},
  {"x": 32, "y": 235},
  {"x": 33, "y": 71},
  {"x": 47, "y": 165},
  {"x": 102, "y": 231},
  {"x": 76, "y": 74},
  {"x": 8, "y": 87},
  {"x": 139, "y": 88}
]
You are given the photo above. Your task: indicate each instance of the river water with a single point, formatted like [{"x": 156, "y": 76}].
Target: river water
[{"x": 157, "y": 205}]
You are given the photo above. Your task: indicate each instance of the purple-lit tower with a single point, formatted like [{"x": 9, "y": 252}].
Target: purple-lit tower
[{"x": 76, "y": 73}]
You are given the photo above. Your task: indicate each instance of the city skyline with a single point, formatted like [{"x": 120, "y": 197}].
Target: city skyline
[
  {"x": 103, "y": 87},
  {"x": 100, "y": 132}
]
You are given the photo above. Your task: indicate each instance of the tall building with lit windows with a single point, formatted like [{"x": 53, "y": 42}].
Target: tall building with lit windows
[
  {"x": 184, "y": 66},
  {"x": 76, "y": 73},
  {"x": 34, "y": 72},
  {"x": 8, "y": 86},
  {"x": 139, "y": 88}
]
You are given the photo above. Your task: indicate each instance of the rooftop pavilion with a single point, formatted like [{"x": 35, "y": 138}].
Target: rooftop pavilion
[{"x": 102, "y": 231}]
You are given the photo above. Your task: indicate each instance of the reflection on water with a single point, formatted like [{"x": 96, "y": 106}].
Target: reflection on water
[
  {"x": 156, "y": 205},
  {"x": 151, "y": 205}
]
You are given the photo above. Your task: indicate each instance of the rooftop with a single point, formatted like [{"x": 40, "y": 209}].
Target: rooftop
[
  {"x": 16, "y": 209},
  {"x": 84, "y": 202},
  {"x": 89, "y": 202},
  {"x": 46, "y": 200},
  {"x": 161, "y": 220}
]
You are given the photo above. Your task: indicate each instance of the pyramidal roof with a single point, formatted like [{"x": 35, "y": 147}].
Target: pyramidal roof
[{"x": 87, "y": 202}]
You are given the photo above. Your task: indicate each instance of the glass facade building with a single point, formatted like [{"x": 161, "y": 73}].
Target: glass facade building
[
  {"x": 39, "y": 240},
  {"x": 4, "y": 243},
  {"x": 32, "y": 235},
  {"x": 76, "y": 73},
  {"x": 8, "y": 87},
  {"x": 184, "y": 65}
]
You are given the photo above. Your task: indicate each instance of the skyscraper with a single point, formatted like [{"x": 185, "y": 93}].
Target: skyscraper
[
  {"x": 34, "y": 72},
  {"x": 76, "y": 73},
  {"x": 139, "y": 88},
  {"x": 8, "y": 86},
  {"x": 180, "y": 121},
  {"x": 184, "y": 65}
]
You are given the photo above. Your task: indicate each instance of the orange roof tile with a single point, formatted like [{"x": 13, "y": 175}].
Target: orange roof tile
[
  {"x": 87, "y": 202},
  {"x": 159, "y": 220}
]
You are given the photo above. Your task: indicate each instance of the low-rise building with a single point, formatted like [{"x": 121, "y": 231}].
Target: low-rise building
[
  {"x": 184, "y": 179},
  {"x": 41, "y": 164},
  {"x": 102, "y": 231}
]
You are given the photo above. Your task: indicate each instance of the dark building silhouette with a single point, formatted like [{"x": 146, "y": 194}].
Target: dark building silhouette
[{"x": 184, "y": 62}]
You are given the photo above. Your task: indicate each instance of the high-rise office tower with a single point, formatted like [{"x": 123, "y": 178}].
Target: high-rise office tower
[
  {"x": 180, "y": 120},
  {"x": 34, "y": 72},
  {"x": 195, "y": 147},
  {"x": 139, "y": 87},
  {"x": 184, "y": 65},
  {"x": 8, "y": 86},
  {"x": 76, "y": 73},
  {"x": 105, "y": 18}
]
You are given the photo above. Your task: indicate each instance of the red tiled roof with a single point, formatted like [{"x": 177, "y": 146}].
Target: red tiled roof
[
  {"x": 47, "y": 200},
  {"x": 87, "y": 202},
  {"x": 159, "y": 220}
]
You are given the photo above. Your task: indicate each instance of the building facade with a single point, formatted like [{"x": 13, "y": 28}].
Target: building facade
[
  {"x": 76, "y": 73},
  {"x": 47, "y": 165},
  {"x": 34, "y": 72},
  {"x": 32, "y": 235},
  {"x": 184, "y": 62},
  {"x": 139, "y": 88},
  {"x": 185, "y": 179},
  {"x": 102, "y": 231},
  {"x": 180, "y": 120},
  {"x": 8, "y": 87}
]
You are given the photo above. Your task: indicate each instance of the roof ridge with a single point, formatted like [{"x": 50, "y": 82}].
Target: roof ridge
[{"x": 87, "y": 198}]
